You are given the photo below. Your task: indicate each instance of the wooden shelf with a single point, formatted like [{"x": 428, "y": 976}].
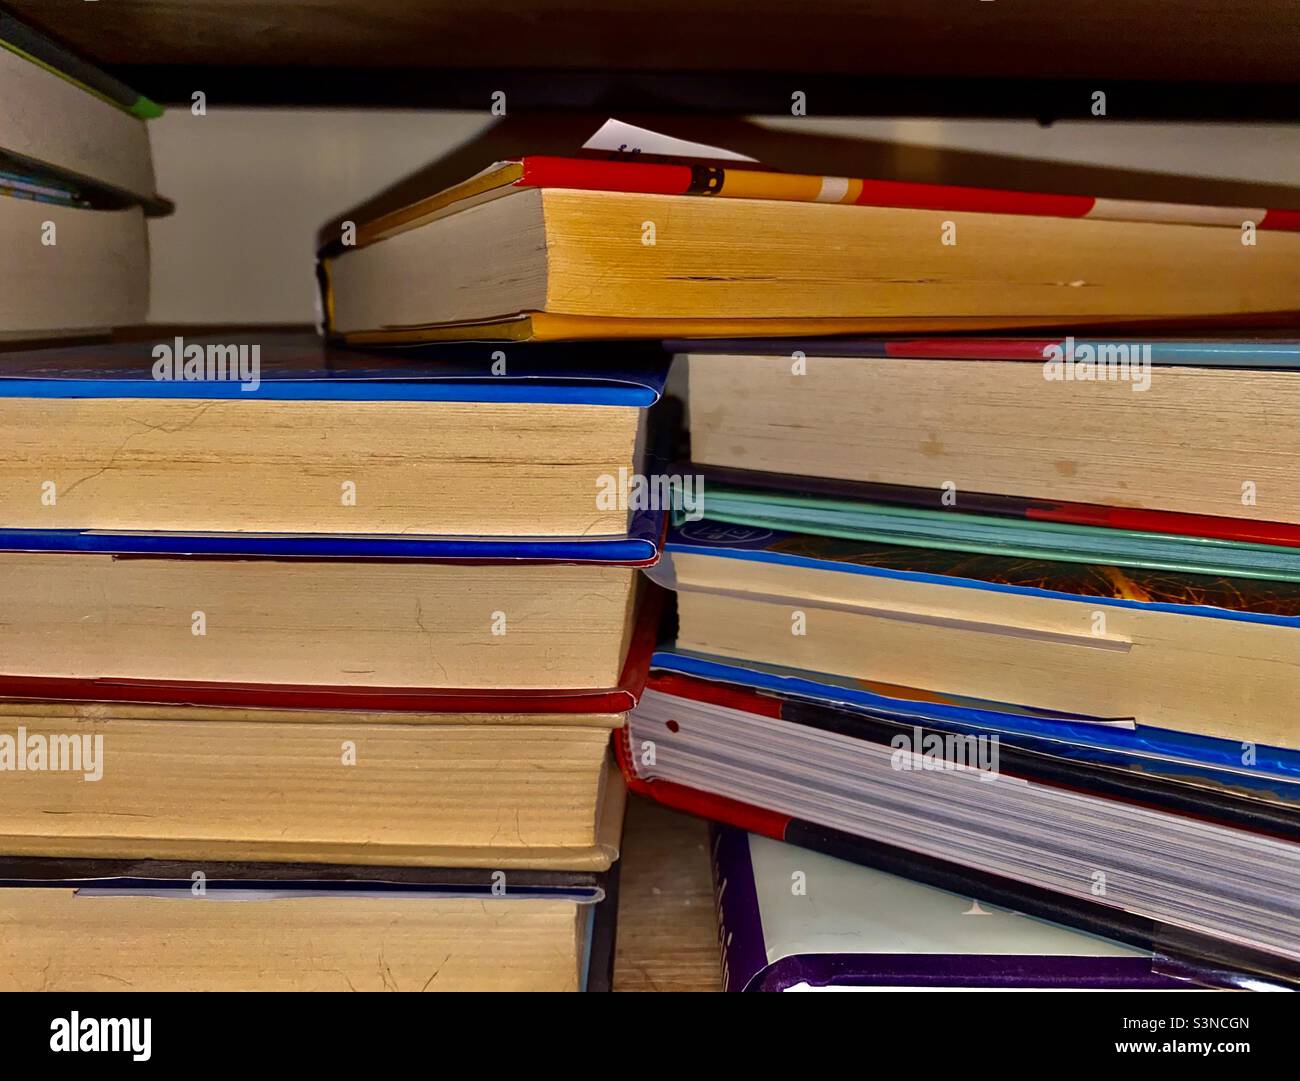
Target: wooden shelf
[
  {"x": 1137, "y": 40},
  {"x": 667, "y": 928},
  {"x": 1155, "y": 58}
]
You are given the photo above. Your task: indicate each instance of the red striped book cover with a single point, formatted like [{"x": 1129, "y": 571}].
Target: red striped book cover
[{"x": 733, "y": 182}]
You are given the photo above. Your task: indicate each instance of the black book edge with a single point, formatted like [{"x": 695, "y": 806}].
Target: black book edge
[
  {"x": 85, "y": 872},
  {"x": 604, "y": 935}
]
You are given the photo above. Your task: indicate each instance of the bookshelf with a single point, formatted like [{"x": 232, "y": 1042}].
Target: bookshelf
[{"x": 1159, "y": 58}]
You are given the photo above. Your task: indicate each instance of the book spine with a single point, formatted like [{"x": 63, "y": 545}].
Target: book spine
[{"x": 740, "y": 922}]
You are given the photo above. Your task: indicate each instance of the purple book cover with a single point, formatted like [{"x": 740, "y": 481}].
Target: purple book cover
[{"x": 793, "y": 919}]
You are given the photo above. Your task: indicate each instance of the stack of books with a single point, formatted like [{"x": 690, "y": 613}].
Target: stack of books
[
  {"x": 1017, "y": 617},
  {"x": 1073, "y": 691},
  {"x": 352, "y": 638},
  {"x": 346, "y": 634},
  {"x": 76, "y": 184},
  {"x": 341, "y": 637}
]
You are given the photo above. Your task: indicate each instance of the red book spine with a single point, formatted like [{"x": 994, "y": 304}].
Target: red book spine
[
  {"x": 595, "y": 175},
  {"x": 1285, "y": 220},
  {"x": 978, "y": 200},
  {"x": 1157, "y": 521}
]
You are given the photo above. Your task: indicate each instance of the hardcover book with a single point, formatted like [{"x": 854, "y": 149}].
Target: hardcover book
[
  {"x": 391, "y": 625},
  {"x": 272, "y": 433},
  {"x": 1081, "y": 431},
  {"x": 706, "y": 250},
  {"x": 1198, "y": 654},
  {"x": 154, "y": 925}
]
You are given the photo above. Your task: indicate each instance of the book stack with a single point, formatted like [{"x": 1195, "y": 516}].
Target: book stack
[
  {"x": 360, "y": 629},
  {"x": 1073, "y": 691},
  {"x": 1017, "y": 617},
  {"x": 982, "y": 573},
  {"x": 76, "y": 184},
  {"x": 339, "y": 637}
]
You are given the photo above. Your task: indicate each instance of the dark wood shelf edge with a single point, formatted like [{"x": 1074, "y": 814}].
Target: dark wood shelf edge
[{"x": 1044, "y": 100}]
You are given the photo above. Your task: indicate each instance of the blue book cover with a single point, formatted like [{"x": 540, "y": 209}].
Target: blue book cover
[
  {"x": 993, "y": 647},
  {"x": 300, "y": 367},
  {"x": 279, "y": 367}
]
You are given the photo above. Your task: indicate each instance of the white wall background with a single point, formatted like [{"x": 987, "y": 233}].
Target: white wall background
[{"x": 252, "y": 186}]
